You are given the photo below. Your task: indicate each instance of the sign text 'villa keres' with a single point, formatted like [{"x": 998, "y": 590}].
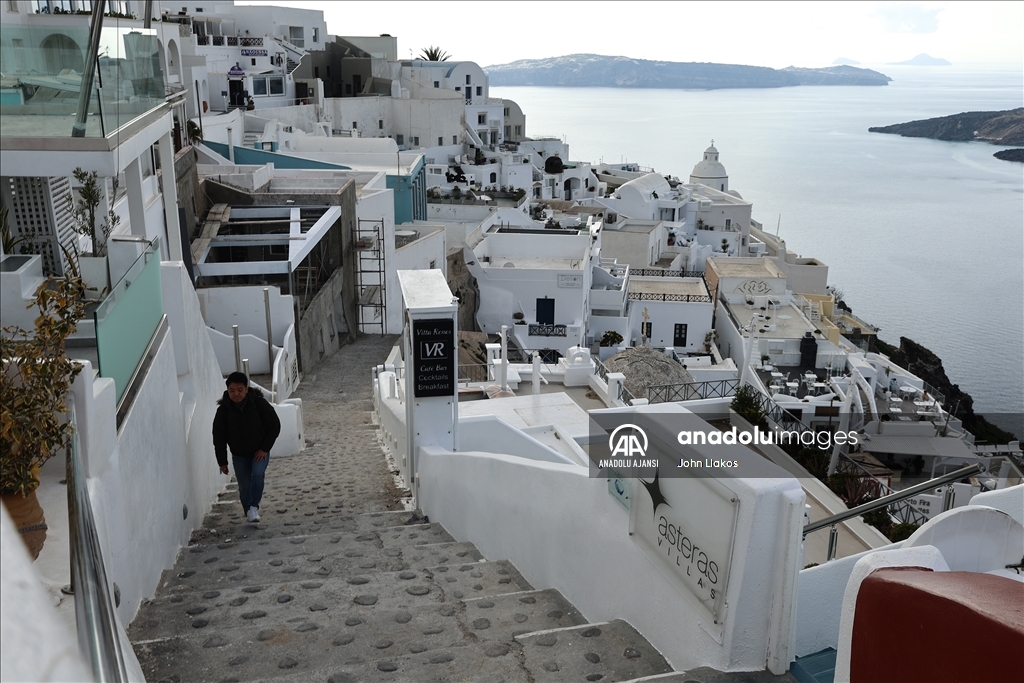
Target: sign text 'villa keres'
[{"x": 434, "y": 357}]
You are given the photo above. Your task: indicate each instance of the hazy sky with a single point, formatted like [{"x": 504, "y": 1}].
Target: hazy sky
[{"x": 775, "y": 34}]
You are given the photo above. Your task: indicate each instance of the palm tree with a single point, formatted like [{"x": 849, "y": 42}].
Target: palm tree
[{"x": 434, "y": 54}]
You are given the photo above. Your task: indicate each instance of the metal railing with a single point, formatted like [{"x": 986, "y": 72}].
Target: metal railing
[
  {"x": 477, "y": 372},
  {"x": 660, "y": 272},
  {"x": 602, "y": 370},
  {"x": 250, "y": 42},
  {"x": 625, "y": 395},
  {"x": 98, "y": 636},
  {"x": 904, "y": 512},
  {"x": 692, "y": 391},
  {"x": 547, "y": 356},
  {"x": 779, "y": 415},
  {"x": 657, "y": 296},
  {"x": 546, "y": 330},
  {"x": 885, "y": 501}
]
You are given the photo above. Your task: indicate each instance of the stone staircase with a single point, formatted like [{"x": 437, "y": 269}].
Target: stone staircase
[
  {"x": 335, "y": 586},
  {"x": 316, "y": 593}
]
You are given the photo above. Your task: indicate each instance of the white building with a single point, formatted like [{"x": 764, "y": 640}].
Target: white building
[{"x": 710, "y": 171}]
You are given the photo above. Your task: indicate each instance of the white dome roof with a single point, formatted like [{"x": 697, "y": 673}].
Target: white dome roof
[
  {"x": 709, "y": 168},
  {"x": 649, "y": 184}
]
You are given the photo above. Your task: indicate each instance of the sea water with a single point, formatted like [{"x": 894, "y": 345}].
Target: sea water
[{"x": 924, "y": 237}]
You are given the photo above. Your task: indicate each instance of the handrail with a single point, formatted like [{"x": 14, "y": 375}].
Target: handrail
[
  {"x": 885, "y": 501},
  {"x": 690, "y": 391},
  {"x": 98, "y": 637}
]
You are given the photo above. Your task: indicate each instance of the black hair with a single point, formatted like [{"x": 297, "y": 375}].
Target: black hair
[{"x": 237, "y": 378}]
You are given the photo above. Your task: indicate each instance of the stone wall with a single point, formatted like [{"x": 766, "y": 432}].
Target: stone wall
[
  {"x": 189, "y": 196},
  {"x": 322, "y": 329}
]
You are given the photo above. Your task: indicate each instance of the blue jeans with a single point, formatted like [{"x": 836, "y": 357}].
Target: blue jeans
[{"x": 249, "y": 473}]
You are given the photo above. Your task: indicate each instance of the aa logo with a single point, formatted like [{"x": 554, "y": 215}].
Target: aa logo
[{"x": 628, "y": 441}]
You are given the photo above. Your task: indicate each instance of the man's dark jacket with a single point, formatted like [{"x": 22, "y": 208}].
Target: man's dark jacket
[{"x": 246, "y": 427}]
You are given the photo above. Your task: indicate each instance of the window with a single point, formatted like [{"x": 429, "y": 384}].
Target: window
[
  {"x": 508, "y": 131},
  {"x": 400, "y": 139},
  {"x": 467, "y": 79},
  {"x": 458, "y": 89},
  {"x": 437, "y": 84},
  {"x": 259, "y": 87},
  {"x": 728, "y": 223},
  {"x": 316, "y": 70},
  {"x": 380, "y": 124},
  {"x": 646, "y": 331},
  {"x": 296, "y": 35},
  {"x": 276, "y": 85},
  {"x": 415, "y": 142},
  {"x": 12, "y": 5},
  {"x": 355, "y": 126},
  {"x": 519, "y": 131},
  {"x": 436, "y": 171},
  {"x": 254, "y": 61},
  {"x": 440, "y": 141},
  {"x": 479, "y": 91},
  {"x": 316, "y": 34},
  {"x": 481, "y": 118},
  {"x": 506, "y": 111},
  {"x": 455, "y": 139},
  {"x": 494, "y": 177}
]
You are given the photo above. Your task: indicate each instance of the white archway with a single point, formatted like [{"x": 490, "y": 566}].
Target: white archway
[{"x": 173, "y": 61}]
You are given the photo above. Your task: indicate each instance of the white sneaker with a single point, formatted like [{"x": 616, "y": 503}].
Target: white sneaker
[{"x": 253, "y": 515}]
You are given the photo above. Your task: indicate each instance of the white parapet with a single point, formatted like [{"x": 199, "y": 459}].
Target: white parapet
[{"x": 562, "y": 529}]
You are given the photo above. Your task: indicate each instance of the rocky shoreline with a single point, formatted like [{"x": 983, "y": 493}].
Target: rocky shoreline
[
  {"x": 996, "y": 127},
  {"x": 925, "y": 364}
]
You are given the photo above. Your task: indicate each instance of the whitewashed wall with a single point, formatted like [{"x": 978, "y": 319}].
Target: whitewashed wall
[
  {"x": 223, "y": 307},
  {"x": 143, "y": 477},
  {"x": 38, "y": 645},
  {"x": 563, "y": 530},
  {"x": 664, "y": 315}
]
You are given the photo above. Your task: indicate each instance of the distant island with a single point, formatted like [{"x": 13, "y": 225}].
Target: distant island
[
  {"x": 922, "y": 60},
  {"x": 1010, "y": 154},
  {"x": 587, "y": 70},
  {"x": 997, "y": 127},
  {"x": 843, "y": 61}
]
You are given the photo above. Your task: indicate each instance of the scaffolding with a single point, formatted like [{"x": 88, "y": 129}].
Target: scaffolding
[{"x": 371, "y": 269}]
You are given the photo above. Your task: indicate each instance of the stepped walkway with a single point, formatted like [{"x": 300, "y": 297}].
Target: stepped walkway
[{"x": 336, "y": 585}]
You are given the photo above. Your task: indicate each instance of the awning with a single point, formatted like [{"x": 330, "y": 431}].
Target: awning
[{"x": 943, "y": 447}]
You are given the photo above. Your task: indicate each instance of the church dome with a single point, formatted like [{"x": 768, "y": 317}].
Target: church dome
[{"x": 710, "y": 171}]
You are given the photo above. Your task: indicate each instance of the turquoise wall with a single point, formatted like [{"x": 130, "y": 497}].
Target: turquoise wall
[{"x": 245, "y": 156}]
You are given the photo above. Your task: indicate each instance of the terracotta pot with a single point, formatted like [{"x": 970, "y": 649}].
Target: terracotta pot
[{"x": 27, "y": 515}]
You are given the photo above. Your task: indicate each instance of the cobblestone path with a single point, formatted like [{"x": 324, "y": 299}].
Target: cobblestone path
[{"x": 336, "y": 585}]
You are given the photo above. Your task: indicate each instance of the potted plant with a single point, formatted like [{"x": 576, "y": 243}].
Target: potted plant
[
  {"x": 611, "y": 338},
  {"x": 92, "y": 265},
  {"x": 709, "y": 339},
  {"x": 34, "y": 386}
]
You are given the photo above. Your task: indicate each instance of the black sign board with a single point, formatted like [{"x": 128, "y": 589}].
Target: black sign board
[{"x": 433, "y": 343}]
